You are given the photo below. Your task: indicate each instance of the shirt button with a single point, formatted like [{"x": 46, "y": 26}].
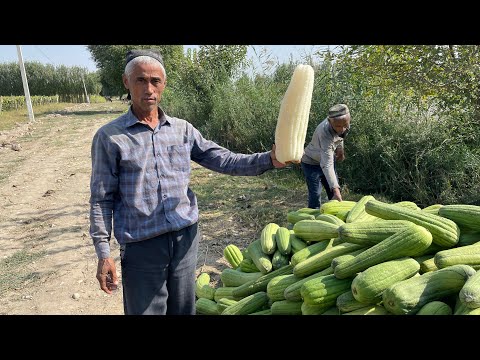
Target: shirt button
[{"x": 164, "y": 196}]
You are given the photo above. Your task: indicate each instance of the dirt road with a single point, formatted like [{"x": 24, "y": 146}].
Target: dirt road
[{"x": 47, "y": 260}]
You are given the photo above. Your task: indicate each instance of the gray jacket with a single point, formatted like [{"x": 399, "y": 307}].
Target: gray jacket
[{"x": 321, "y": 151}]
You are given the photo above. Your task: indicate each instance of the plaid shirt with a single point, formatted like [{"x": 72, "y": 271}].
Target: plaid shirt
[{"x": 140, "y": 177}]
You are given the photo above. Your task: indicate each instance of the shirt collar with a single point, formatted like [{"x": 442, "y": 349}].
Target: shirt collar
[{"x": 131, "y": 119}]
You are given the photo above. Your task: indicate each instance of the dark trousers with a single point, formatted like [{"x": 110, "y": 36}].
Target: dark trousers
[
  {"x": 315, "y": 179},
  {"x": 158, "y": 275}
]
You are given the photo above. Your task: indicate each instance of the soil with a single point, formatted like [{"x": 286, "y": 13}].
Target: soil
[{"x": 48, "y": 260}]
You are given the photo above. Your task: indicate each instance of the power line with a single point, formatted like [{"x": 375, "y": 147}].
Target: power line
[{"x": 53, "y": 63}]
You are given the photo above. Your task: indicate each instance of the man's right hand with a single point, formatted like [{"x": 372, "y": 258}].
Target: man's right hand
[
  {"x": 107, "y": 275},
  {"x": 336, "y": 194}
]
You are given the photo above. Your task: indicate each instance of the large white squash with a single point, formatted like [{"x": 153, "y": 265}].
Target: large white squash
[{"x": 292, "y": 120}]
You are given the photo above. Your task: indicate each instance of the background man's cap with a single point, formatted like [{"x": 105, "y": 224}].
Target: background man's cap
[
  {"x": 132, "y": 54},
  {"x": 338, "y": 110}
]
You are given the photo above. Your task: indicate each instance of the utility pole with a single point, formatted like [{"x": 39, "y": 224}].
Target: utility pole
[
  {"x": 85, "y": 88},
  {"x": 25, "y": 84}
]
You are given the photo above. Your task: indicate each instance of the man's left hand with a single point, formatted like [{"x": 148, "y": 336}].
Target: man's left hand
[{"x": 339, "y": 154}]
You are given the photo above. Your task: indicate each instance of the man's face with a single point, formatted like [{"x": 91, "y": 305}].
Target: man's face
[
  {"x": 146, "y": 84},
  {"x": 340, "y": 124}
]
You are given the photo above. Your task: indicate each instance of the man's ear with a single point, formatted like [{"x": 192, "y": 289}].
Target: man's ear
[{"x": 125, "y": 81}]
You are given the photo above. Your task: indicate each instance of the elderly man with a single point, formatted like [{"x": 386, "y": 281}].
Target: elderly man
[
  {"x": 326, "y": 147},
  {"x": 140, "y": 183}
]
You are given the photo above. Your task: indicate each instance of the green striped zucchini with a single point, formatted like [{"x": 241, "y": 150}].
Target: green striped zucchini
[
  {"x": 324, "y": 290},
  {"x": 444, "y": 231},
  {"x": 259, "y": 284},
  {"x": 292, "y": 292},
  {"x": 435, "y": 308},
  {"x": 468, "y": 255},
  {"x": 232, "y": 278},
  {"x": 470, "y": 292},
  {"x": 346, "y": 302},
  {"x": 330, "y": 218},
  {"x": 233, "y": 255},
  {"x": 282, "y": 237},
  {"x": 285, "y": 307},
  {"x": 204, "y": 306},
  {"x": 309, "y": 251},
  {"x": 260, "y": 259},
  {"x": 249, "y": 304},
  {"x": 276, "y": 287},
  {"x": 407, "y": 242},
  {"x": 368, "y": 286},
  {"x": 372, "y": 232},
  {"x": 334, "y": 206},
  {"x": 267, "y": 238},
  {"x": 203, "y": 288},
  {"x": 315, "y": 230},
  {"x": 464, "y": 215},
  {"x": 408, "y": 296},
  {"x": 358, "y": 210},
  {"x": 324, "y": 259},
  {"x": 279, "y": 260},
  {"x": 369, "y": 310}
]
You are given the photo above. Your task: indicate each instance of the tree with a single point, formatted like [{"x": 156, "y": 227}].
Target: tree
[{"x": 110, "y": 60}]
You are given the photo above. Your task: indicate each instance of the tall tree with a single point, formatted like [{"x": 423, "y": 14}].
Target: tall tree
[{"x": 110, "y": 60}]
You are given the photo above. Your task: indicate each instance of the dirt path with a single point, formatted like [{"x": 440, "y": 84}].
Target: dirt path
[{"x": 46, "y": 253}]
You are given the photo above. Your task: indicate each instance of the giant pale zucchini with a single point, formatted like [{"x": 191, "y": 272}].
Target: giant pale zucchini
[
  {"x": 444, "y": 231},
  {"x": 292, "y": 122},
  {"x": 407, "y": 297}
]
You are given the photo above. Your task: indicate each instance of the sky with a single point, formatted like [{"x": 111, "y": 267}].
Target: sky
[{"x": 78, "y": 55}]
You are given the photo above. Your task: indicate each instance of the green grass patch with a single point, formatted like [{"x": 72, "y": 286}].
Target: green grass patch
[
  {"x": 9, "y": 119},
  {"x": 15, "y": 272}
]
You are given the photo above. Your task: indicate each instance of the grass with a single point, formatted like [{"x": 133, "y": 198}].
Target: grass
[
  {"x": 9, "y": 119},
  {"x": 14, "y": 270}
]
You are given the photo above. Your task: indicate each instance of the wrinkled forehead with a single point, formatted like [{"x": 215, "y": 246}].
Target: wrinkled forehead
[
  {"x": 141, "y": 62},
  {"x": 340, "y": 120}
]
